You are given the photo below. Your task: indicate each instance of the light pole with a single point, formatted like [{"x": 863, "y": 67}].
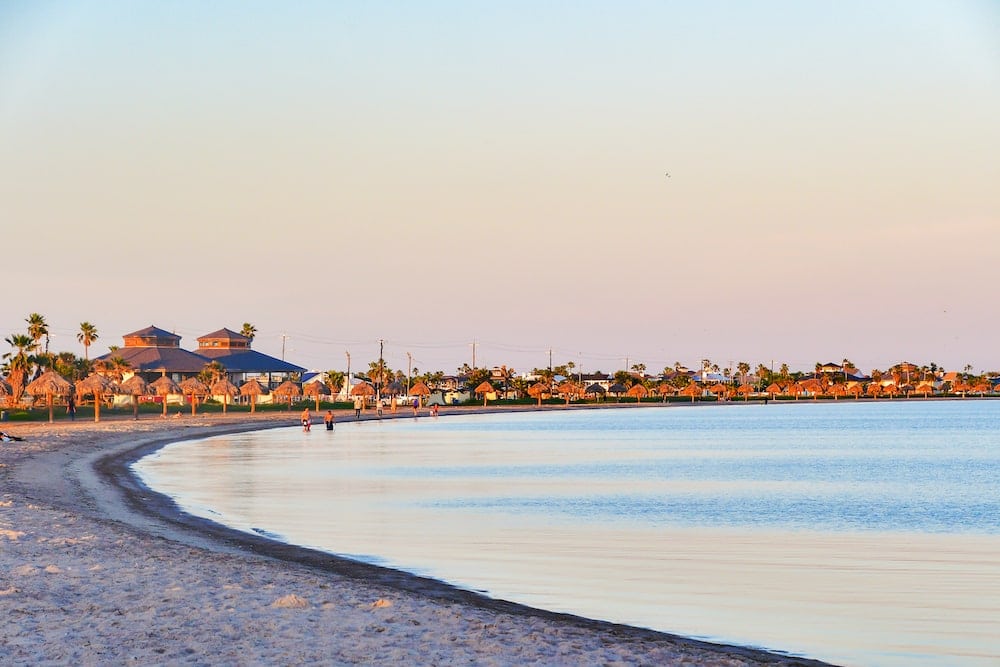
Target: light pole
[
  {"x": 409, "y": 368},
  {"x": 347, "y": 382},
  {"x": 381, "y": 374}
]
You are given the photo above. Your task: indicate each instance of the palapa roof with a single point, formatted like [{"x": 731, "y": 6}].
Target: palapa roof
[
  {"x": 252, "y": 387},
  {"x": 420, "y": 389},
  {"x": 287, "y": 388},
  {"x": 95, "y": 383},
  {"x": 637, "y": 390},
  {"x": 193, "y": 385},
  {"x": 164, "y": 385},
  {"x": 596, "y": 389},
  {"x": 314, "y": 388},
  {"x": 48, "y": 382},
  {"x": 224, "y": 386},
  {"x": 484, "y": 388},
  {"x": 137, "y": 386},
  {"x": 362, "y": 389}
]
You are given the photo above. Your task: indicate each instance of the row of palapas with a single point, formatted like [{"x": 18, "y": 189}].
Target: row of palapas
[{"x": 51, "y": 384}]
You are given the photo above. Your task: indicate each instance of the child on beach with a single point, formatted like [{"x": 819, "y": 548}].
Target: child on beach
[
  {"x": 306, "y": 420},
  {"x": 328, "y": 420}
]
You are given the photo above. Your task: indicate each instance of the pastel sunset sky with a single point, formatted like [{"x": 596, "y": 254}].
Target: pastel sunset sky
[{"x": 438, "y": 173}]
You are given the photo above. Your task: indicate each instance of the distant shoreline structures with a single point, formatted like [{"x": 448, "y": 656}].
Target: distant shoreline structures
[{"x": 153, "y": 368}]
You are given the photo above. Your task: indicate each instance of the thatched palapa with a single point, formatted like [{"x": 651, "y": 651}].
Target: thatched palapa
[
  {"x": 49, "y": 384},
  {"x": 98, "y": 385},
  {"x": 164, "y": 386},
  {"x": 252, "y": 388},
  {"x": 194, "y": 388},
  {"x": 289, "y": 390},
  {"x": 226, "y": 389}
]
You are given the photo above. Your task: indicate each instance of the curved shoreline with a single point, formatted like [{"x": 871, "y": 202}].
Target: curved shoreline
[{"x": 92, "y": 479}]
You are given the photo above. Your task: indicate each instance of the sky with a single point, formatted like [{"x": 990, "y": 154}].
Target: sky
[{"x": 491, "y": 179}]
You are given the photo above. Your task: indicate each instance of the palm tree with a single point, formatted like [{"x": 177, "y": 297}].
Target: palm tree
[
  {"x": 249, "y": 331},
  {"x": 87, "y": 335},
  {"x": 38, "y": 328},
  {"x": 762, "y": 372},
  {"x": 212, "y": 372},
  {"x": 744, "y": 370},
  {"x": 379, "y": 373},
  {"x": 847, "y": 364},
  {"x": 117, "y": 367},
  {"x": 624, "y": 378},
  {"x": 18, "y": 363},
  {"x": 334, "y": 380},
  {"x": 505, "y": 376}
]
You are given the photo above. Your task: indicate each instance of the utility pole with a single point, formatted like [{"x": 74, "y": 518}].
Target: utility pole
[
  {"x": 381, "y": 375},
  {"x": 284, "y": 337},
  {"x": 347, "y": 391},
  {"x": 473, "y": 355},
  {"x": 550, "y": 360},
  {"x": 409, "y": 369}
]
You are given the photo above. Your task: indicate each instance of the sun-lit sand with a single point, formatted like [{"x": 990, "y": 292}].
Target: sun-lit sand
[{"x": 87, "y": 576}]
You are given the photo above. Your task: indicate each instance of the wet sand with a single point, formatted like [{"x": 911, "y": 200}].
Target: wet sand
[{"x": 95, "y": 569}]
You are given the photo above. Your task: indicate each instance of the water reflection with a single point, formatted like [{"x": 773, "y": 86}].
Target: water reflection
[{"x": 857, "y": 535}]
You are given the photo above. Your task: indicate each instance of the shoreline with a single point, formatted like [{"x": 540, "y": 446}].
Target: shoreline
[{"x": 69, "y": 509}]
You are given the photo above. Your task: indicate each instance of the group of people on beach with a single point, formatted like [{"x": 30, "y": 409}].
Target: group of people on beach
[{"x": 306, "y": 417}]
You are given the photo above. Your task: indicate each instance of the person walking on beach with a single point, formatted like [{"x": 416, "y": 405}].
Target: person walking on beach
[
  {"x": 328, "y": 420},
  {"x": 71, "y": 408},
  {"x": 357, "y": 407},
  {"x": 306, "y": 420},
  {"x": 416, "y": 404}
]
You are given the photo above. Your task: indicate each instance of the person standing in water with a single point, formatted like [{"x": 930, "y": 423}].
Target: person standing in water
[
  {"x": 328, "y": 420},
  {"x": 306, "y": 420}
]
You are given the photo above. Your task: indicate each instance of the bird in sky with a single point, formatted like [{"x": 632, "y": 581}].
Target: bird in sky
[{"x": 668, "y": 174}]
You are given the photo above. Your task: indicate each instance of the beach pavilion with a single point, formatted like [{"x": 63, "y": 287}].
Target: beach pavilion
[
  {"x": 153, "y": 352},
  {"x": 232, "y": 350}
]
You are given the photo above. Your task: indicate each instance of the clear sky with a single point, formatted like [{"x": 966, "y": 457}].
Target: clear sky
[{"x": 438, "y": 173}]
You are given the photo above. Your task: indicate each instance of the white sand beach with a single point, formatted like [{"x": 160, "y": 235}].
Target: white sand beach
[{"x": 95, "y": 570}]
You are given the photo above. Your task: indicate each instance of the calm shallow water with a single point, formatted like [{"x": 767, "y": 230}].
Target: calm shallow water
[{"x": 858, "y": 533}]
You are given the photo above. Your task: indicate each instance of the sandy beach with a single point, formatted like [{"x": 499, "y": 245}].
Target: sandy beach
[{"x": 96, "y": 570}]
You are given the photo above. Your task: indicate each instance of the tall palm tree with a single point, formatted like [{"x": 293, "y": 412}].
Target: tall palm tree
[
  {"x": 87, "y": 336},
  {"x": 249, "y": 331},
  {"x": 847, "y": 364},
  {"x": 18, "y": 363},
  {"x": 744, "y": 370},
  {"x": 762, "y": 372},
  {"x": 38, "y": 328}
]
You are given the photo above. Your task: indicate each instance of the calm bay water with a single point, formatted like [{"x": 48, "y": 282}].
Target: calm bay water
[{"x": 858, "y": 533}]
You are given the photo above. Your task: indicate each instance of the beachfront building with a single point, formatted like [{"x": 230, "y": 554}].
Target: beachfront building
[
  {"x": 153, "y": 352},
  {"x": 232, "y": 350}
]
